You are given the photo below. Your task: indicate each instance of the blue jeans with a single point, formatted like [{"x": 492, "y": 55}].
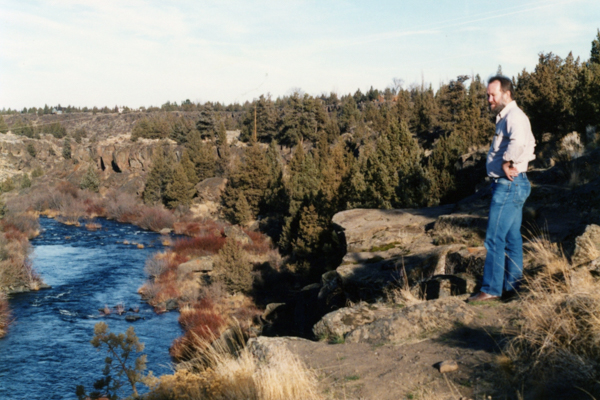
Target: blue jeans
[{"x": 503, "y": 268}]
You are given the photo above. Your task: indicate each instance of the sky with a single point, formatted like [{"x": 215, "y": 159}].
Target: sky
[{"x": 140, "y": 53}]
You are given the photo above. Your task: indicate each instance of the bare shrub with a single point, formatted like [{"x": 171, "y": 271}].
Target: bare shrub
[
  {"x": 155, "y": 218},
  {"x": 155, "y": 266},
  {"x": 121, "y": 206},
  {"x": 26, "y": 223}
]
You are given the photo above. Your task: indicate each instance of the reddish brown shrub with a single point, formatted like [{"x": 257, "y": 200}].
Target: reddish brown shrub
[
  {"x": 155, "y": 218},
  {"x": 202, "y": 323},
  {"x": 199, "y": 246},
  {"x": 28, "y": 224},
  {"x": 260, "y": 243},
  {"x": 94, "y": 208},
  {"x": 204, "y": 227},
  {"x": 121, "y": 206},
  {"x": 68, "y": 188}
]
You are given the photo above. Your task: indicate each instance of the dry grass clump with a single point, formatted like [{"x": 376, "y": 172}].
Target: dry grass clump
[
  {"x": 450, "y": 234},
  {"x": 218, "y": 373},
  {"x": 558, "y": 346},
  {"x": 4, "y": 314}
]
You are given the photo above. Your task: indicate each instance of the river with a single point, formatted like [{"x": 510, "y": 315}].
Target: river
[{"x": 47, "y": 353}]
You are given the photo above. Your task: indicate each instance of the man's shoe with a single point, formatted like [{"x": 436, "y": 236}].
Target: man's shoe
[
  {"x": 482, "y": 296},
  {"x": 510, "y": 295}
]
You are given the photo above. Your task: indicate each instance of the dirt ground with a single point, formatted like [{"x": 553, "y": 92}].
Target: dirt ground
[{"x": 410, "y": 370}]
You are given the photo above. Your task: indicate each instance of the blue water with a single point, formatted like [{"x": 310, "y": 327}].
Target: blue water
[{"x": 47, "y": 353}]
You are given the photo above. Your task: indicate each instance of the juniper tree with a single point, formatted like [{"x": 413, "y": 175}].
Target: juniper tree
[
  {"x": 595, "y": 52},
  {"x": 233, "y": 268},
  {"x": 202, "y": 156},
  {"x": 90, "y": 180},
  {"x": 266, "y": 120},
  {"x": 31, "y": 149},
  {"x": 206, "y": 122},
  {"x": 179, "y": 191},
  {"x": 66, "y": 152},
  {"x": 25, "y": 181},
  {"x": 223, "y": 151},
  {"x": 159, "y": 177},
  {"x": 188, "y": 167}
]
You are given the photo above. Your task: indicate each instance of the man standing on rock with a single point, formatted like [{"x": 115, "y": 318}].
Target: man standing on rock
[{"x": 511, "y": 150}]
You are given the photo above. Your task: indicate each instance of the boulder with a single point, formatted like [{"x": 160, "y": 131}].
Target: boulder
[
  {"x": 366, "y": 230},
  {"x": 441, "y": 286},
  {"x": 587, "y": 246},
  {"x": 474, "y": 223},
  {"x": 264, "y": 348},
  {"x": 201, "y": 264},
  {"x": 348, "y": 319},
  {"x": 448, "y": 366},
  {"x": 271, "y": 309},
  {"x": 468, "y": 260},
  {"x": 377, "y": 324},
  {"x": 211, "y": 189}
]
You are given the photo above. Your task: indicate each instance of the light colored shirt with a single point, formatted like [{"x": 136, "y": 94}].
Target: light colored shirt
[{"x": 513, "y": 141}]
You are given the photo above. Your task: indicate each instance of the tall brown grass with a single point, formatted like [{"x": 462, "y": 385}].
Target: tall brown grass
[
  {"x": 218, "y": 373},
  {"x": 557, "y": 347}
]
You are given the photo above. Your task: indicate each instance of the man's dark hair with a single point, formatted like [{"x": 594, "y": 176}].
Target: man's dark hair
[{"x": 505, "y": 84}]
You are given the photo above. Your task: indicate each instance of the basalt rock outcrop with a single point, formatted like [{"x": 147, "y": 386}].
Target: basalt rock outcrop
[
  {"x": 381, "y": 323},
  {"x": 119, "y": 154}
]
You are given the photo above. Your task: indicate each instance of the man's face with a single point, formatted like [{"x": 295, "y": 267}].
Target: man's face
[{"x": 496, "y": 97}]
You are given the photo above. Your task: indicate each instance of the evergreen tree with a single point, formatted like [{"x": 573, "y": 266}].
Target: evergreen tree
[
  {"x": 25, "y": 181},
  {"x": 31, "y": 149},
  {"x": 349, "y": 116},
  {"x": 242, "y": 213},
  {"x": 223, "y": 151},
  {"x": 206, "y": 122},
  {"x": 595, "y": 53},
  {"x": 266, "y": 120},
  {"x": 66, "y": 152},
  {"x": 233, "y": 268},
  {"x": 90, "y": 180},
  {"x": 202, "y": 156},
  {"x": 179, "y": 190},
  {"x": 159, "y": 177},
  {"x": 188, "y": 167},
  {"x": 547, "y": 94},
  {"x": 251, "y": 178}
]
